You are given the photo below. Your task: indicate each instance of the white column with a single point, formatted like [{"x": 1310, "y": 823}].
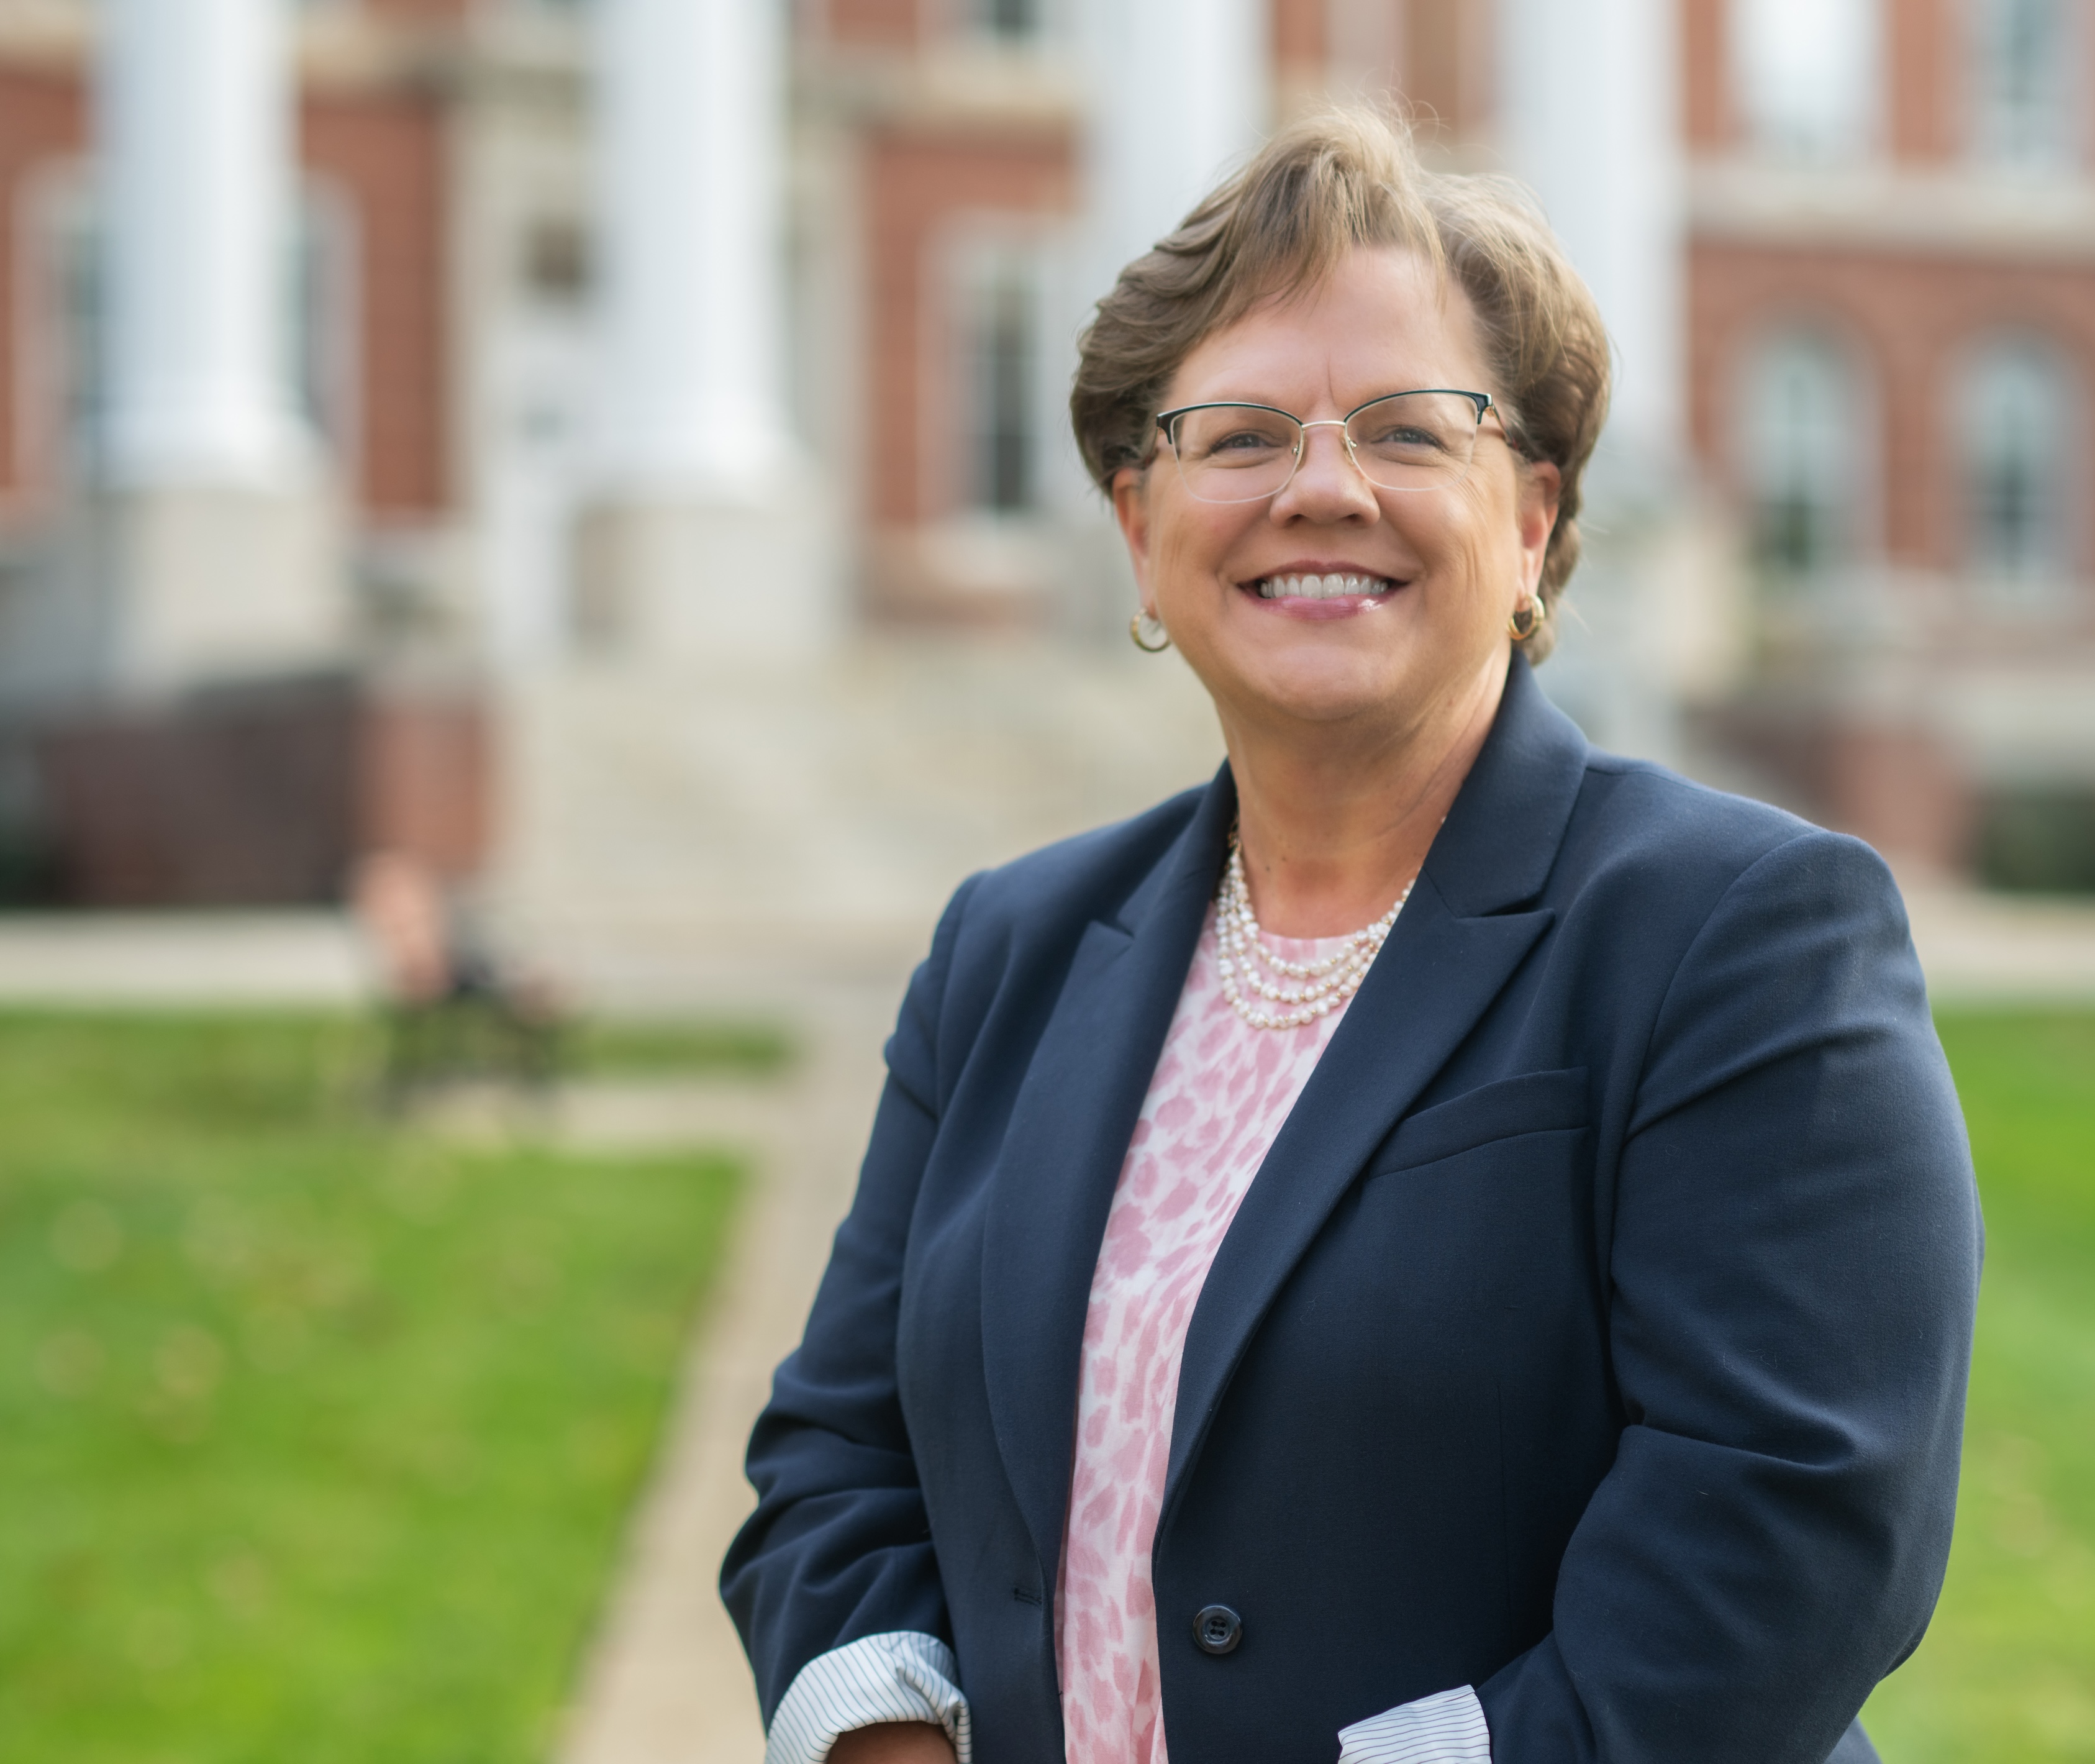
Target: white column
[
  {"x": 690, "y": 138},
  {"x": 196, "y": 177},
  {"x": 1588, "y": 115},
  {"x": 1180, "y": 89},
  {"x": 222, "y": 559},
  {"x": 710, "y": 541}
]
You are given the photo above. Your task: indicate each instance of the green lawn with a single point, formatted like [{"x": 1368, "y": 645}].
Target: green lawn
[
  {"x": 316, "y": 1439},
  {"x": 654, "y": 1050},
  {"x": 2007, "y": 1673}
]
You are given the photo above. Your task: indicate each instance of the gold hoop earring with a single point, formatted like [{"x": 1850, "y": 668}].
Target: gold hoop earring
[
  {"x": 1134, "y": 629},
  {"x": 1535, "y": 612}
]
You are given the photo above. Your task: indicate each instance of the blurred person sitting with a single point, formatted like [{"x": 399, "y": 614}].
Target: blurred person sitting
[
  {"x": 453, "y": 1010},
  {"x": 1444, "y": 1244}
]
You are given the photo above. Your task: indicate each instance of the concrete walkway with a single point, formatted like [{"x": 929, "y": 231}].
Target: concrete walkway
[
  {"x": 666, "y": 1682},
  {"x": 1980, "y": 948},
  {"x": 293, "y": 957}
]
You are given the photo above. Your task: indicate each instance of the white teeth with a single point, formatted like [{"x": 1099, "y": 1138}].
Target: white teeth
[{"x": 1318, "y": 587}]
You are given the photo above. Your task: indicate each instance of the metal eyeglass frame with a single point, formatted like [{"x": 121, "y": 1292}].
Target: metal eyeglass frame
[{"x": 1485, "y": 403}]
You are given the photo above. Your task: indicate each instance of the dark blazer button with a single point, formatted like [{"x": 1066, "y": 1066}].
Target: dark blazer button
[{"x": 1218, "y": 1629}]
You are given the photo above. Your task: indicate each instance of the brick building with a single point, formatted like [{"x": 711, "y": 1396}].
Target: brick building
[
  {"x": 617, "y": 341},
  {"x": 1891, "y": 352}
]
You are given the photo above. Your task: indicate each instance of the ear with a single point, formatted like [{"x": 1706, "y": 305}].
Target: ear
[
  {"x": 1130, "y": 500},
  {"x": 1541, "y": 484}
]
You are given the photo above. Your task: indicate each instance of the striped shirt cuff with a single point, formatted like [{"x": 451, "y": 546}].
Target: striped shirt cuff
[
  {"x": 1446, "y": 1728},
  {"x": 903, "y": 1676}
]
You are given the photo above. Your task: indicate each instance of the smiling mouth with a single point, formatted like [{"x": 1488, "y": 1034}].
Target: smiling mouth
[{"x": 1325, "y": 587}]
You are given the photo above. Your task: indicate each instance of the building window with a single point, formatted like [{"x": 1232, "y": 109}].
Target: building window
[
  {"x": 1001, "y": 300},
  {"x": 2023, "y": 55},
  {"x": 322, "y": 334},
  {"x": 1806, "y": 440},
  {"x": 319, "y": 290},
  {"x": 76, "y": 267},
  {"x": 2038, "y": 836},
  {"x": 1008, "y": 21},
  {"x": 2014, "y": 422},
  {"x": 57, "y": 349},
  {"x": 1806, "y": 76}
]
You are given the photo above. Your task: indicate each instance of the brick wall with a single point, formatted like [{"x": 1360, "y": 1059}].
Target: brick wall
[
  {"x": 42, "y": 120},
  {"x": 416, "y": 11},
  {"x": 1708, "y": 119},
  {"x": 1912, "y": 316},
  {"x": 1299, "y": 46},
  {"x": 1440, "y": 66},
  {"x": 263, "y": 794},
  {"x": 918, "y": 184},
  {"x": 890, "y": 23},
  {"x": 1886, "y": 777},
  {"x": 1447, "y": 66},
  {"x": 1922, "y": 108},
  {"x": 1927, "y": 60},
  {"x": 386, "y": 151}
]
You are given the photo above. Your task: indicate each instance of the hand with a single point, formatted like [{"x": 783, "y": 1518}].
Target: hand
[{"x": 893, "y": 1742}]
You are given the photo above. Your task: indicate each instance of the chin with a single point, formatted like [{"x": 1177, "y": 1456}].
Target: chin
[{"x": 1324, "y": 693}]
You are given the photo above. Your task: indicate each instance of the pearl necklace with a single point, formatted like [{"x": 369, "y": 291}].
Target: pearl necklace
[{"x": 1320, "y": 987}]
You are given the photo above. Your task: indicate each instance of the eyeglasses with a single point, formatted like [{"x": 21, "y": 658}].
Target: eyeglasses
[{"x": 1403, "y": 441}]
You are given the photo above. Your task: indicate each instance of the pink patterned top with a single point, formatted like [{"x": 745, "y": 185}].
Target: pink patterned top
[{"x": 1221, "y": 1092}]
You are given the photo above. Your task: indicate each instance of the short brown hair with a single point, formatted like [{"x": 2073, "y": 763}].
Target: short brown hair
[{"x": 1344, "y": 178}]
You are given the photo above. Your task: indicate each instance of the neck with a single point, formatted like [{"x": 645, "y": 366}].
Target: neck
[{"x": 1336, "y": 820}]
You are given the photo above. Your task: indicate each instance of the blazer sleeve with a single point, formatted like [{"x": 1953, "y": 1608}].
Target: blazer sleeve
[
  {"x": 839, "y": 1547},
  {"x": 1794, "y": 1266}
]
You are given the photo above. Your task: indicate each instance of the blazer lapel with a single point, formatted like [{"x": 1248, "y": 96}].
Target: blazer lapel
[
  {"x": 1454, "y": 946},
  {"x": 1063, "y": 1148}
]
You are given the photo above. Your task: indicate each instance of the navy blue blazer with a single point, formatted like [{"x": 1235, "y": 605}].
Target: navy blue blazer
[{"x": 1594, "y": 1333}]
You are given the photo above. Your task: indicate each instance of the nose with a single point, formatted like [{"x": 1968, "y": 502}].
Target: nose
[{"x": 1328, "y": 486}]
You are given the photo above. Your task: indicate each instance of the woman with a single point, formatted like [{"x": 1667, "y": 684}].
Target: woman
[{"x": 1442, "y": 1245}]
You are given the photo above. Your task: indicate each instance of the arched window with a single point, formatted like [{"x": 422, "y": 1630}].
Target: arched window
[
  {"x": 1807, "y": 74},
  {"x": 1805, "y": 444},
  {"x": 2015, "y": 422},
  {"x": 2021, "y": 99}
]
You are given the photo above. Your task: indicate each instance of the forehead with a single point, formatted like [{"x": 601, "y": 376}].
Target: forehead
[{"x": 1383, "y": 320}]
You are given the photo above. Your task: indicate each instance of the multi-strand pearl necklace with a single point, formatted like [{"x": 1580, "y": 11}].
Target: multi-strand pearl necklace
[{"x": 1319, "y": 986}]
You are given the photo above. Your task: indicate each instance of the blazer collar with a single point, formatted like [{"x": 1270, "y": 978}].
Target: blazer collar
[
  {"x": 1061, "y": 1154},
  {"x": 1454, "y": 946},
  {"x": 1502, "y": 834}
]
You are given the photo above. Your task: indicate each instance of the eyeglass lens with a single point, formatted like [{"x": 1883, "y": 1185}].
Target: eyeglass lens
[{"x": 1410, "y": 441}]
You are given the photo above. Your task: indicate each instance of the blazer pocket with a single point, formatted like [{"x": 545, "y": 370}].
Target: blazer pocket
[{"x": 1535, "y": 1102}]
